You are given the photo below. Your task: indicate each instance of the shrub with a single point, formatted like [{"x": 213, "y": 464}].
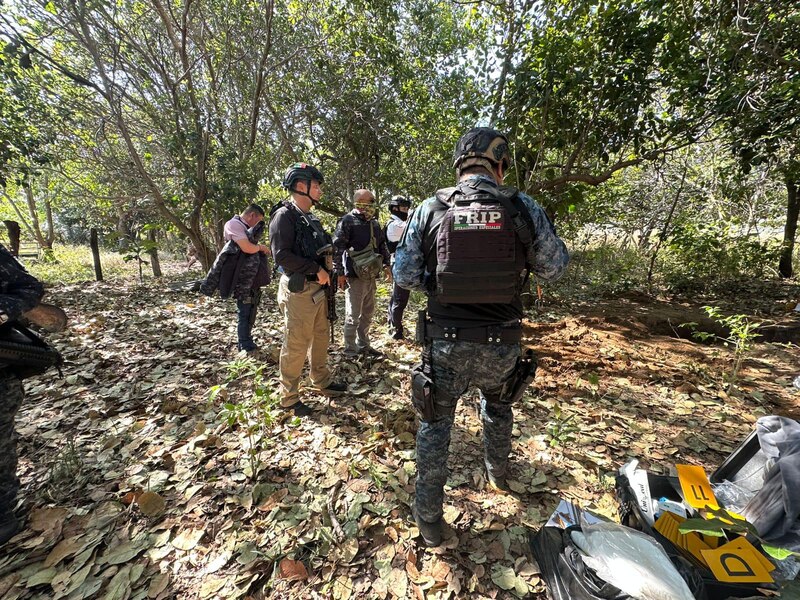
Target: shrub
[
  {"x": 702, "y": 257},
  {"x": 74, "y": 264}
]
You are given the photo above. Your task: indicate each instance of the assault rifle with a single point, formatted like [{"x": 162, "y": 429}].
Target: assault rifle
[
  {"x": 25, "y": 353},
  {"x": 325, "y": 258}
]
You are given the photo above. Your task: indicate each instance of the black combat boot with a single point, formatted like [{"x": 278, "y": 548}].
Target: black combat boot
[
  {"x": 431, "y": 532},
  {"x": 496, "y": 478},
  {"x": 9, "y": 527}
]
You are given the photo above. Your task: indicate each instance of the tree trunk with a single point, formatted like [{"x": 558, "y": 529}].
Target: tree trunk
[
  {"x": 98, "y": 270},
  {"x": 124, "y": 235},
  {"x": 665, "y": 229},
  {"x": 14, "y": 233},
  {"x": 153, "y": 252},
  {"x": 50, "y": 237},
  {"x": 790, "y": 229},
  {"x": 51, "y": 230},
  {"x": 37, "y": 229}
]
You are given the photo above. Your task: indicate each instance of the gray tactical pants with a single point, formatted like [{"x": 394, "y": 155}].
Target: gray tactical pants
[
  {"x": 456, "y": 366},
  {"x": 10, "y": 401},
  {"x": 359, "y": 308}
]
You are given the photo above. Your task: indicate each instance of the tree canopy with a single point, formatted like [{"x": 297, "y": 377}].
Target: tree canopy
[{"x": 188, "y": 110}]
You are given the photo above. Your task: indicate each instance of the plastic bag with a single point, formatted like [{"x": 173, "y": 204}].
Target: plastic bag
[
  {"x": 733, "y": 497},
  {"x": 568, "y": 578},
  {"x": 631, "y": 561}
]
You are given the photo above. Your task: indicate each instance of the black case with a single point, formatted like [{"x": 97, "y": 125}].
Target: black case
[
  {"x": 745, "y": 465},
  {"x": 630, "y": 515}
]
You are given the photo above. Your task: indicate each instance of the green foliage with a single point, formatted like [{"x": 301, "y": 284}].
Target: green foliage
[
  {"x": 722, "y": 522},
  {"x": 586, "y": 90},
  {"x": 73, "y": 264},
  {"x": 602, "y": 269},
  {"x": 135, "y": 247},
  {"x": 742, "y": 334},
  {"x": 560, "y": 428},
  {"x": 253, "y": 413},
  {"x": 705, "y": 256}
]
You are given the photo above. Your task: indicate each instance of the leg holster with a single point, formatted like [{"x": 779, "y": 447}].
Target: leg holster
[
  {"x": 422, "y": 393},
  {"x": 521, "y": 378}
]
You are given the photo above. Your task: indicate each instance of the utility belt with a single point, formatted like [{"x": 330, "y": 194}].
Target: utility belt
[
  {"x": 423, "y": 386},
  {"x": 488, "y": 334},
  {"x": 297, "y": 281}
]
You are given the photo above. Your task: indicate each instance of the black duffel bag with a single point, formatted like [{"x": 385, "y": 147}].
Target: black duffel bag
[{"x": 568, "y": 578}]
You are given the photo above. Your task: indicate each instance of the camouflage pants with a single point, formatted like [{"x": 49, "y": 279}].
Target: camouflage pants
[
  {"x": 456, "y": 366},
  {"x": 10, "y": 401}
]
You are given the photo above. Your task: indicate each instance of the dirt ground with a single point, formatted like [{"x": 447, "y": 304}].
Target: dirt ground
[{"x": 137, "y": 485}]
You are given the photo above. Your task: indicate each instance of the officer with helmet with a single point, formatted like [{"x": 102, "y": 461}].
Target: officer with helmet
[
  {"x": 300, "y": 247},
  {"x": 399, "y": 207},
  {"x": 471, "y": 249}
]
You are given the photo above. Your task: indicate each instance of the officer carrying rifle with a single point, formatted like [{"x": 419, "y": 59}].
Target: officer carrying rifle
[
  {"x": 471, "y": 249},
  {"x": 303, "y": 251}
]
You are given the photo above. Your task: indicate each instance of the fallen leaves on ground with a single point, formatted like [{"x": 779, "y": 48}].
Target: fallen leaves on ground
[{"x": 139, "y": 488}]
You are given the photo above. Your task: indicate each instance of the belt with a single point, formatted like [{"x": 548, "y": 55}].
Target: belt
[
  {"x": 307, "y": 277},
  {"x": 490, "y": 334}
]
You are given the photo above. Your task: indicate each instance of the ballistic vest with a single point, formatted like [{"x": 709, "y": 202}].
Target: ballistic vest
[
  {"x": 309, "y": 234},
  {"x": 475, "y": 248}
]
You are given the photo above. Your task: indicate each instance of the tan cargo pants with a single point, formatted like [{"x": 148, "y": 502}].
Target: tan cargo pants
[{"x": 305, "y": 335}]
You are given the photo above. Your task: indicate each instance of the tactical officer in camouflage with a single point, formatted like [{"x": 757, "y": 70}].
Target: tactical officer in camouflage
[
  {"x": 470, "y": 248},
  {"x": 19, "y": 292}
]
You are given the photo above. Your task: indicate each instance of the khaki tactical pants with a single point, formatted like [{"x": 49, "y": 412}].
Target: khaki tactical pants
[{"x": 306, "y": 335}]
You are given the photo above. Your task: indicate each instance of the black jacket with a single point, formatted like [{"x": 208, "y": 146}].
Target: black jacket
[{"x": 236, "y": 273}]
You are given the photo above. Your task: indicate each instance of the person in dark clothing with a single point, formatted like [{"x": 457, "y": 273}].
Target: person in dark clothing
[
  {"x": 361, "y": 252},
  {"x": 299, "y": 247},
  {"x": 247, "y": 305},
  {"x": 240, "y": 270},
  {"x": 470, "y": 249},
  {"x": 19, "y": 293},
  {"x": 399, "y": 207}
]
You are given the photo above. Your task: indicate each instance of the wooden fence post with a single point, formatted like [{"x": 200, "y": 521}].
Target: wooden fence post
[{"x": 98, "y": 270}]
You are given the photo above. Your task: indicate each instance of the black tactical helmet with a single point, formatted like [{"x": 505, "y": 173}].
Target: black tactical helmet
[
  {"x": 399, "y": 201},
  {"x": 481, "y": 146},
  {"x": 301, "y": 172}
]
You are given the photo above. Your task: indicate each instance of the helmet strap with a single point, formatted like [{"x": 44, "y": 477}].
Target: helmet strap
[{"x": 294, "y": 190}]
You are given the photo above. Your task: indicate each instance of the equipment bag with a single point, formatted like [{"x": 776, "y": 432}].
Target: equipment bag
[
  {"x": 631, "y": 516},
  {"x": 568, "y": 578},
  {"x": 366, "y": 262}
]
